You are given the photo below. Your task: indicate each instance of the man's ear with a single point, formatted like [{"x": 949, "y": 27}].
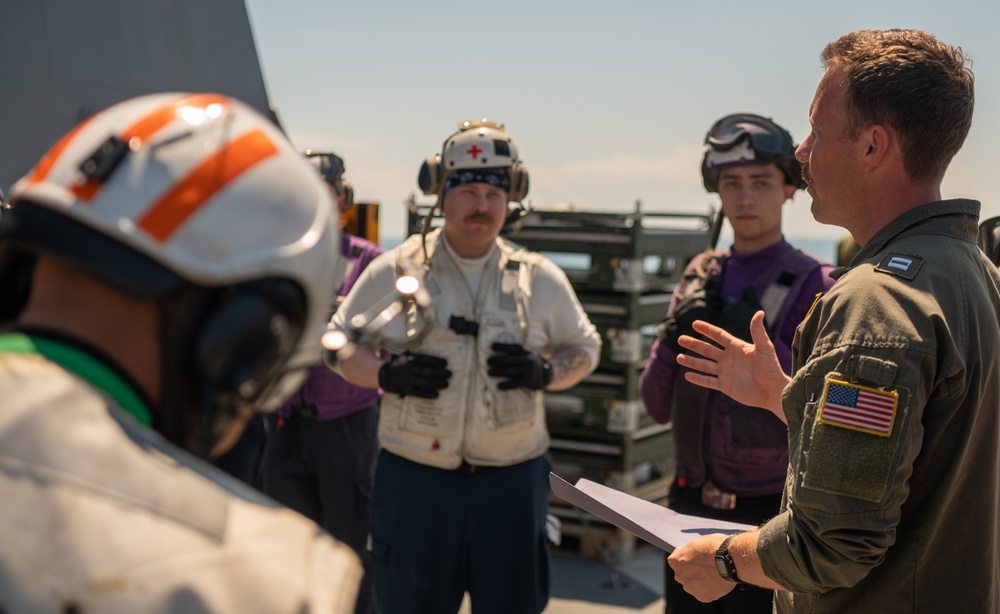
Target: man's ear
[
  {"x": 879, "y": 140},
  {"x": 789, "y": 191}
]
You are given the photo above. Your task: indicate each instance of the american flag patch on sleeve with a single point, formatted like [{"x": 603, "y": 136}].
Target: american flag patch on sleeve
[{"x": 858, "y": 408}]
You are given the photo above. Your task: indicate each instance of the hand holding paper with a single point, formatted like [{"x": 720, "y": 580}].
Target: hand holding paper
[{"x": 662, "y": 527}]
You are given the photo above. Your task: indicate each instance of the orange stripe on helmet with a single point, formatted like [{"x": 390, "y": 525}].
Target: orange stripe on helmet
[
  {"x": 155, "y": 121},
  {"x": 188, "y": 195},
  {"x": 45, "y": 165},
  {"x": 147, "y": 127}
]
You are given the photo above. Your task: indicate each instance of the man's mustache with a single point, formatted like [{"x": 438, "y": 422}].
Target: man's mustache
[{"x": 479, "y": 217}]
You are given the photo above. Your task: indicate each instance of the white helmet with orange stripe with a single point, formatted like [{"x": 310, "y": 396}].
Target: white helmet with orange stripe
[{"x": 166, "y": 193}]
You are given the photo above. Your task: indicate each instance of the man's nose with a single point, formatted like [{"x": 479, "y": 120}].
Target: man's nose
[
  {"x": 802, "y": 151},
  {"x": 480, "y": 202}
]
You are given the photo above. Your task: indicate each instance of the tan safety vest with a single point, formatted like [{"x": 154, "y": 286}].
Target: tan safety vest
[
  {"x": 471, "y": 419},
  {"x": 99, "y": 514}
]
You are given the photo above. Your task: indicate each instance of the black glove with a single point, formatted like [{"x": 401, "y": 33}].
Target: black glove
[
  {"x": 519, "y": 367},
  {"x": 421, "y": 375}
]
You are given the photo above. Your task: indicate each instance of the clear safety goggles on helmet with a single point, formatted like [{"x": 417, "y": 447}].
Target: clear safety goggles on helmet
[
  {"x": 330, "y": 165},
  {"x": 744, "y": 137}
]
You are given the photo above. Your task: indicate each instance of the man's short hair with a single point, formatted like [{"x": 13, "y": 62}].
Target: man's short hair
[{"x": 912, "y": 82}]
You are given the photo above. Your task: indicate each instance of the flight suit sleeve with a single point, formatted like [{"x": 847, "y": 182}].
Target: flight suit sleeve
[{"x": 854, "y": 411}]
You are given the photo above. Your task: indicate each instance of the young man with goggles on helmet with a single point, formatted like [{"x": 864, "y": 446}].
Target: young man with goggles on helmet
[
  {"x": 319, "y": 458},
  {"x": 730, "y": 459},
  {"x": 164, "y": 264},
  {"x": 461, "y": 486}
]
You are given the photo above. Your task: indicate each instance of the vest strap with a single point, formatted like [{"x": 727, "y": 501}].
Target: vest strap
[{"x": 461, "y": 326}]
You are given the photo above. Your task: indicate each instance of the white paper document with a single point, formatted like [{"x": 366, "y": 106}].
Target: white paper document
[{"x": 654, "y": 523}]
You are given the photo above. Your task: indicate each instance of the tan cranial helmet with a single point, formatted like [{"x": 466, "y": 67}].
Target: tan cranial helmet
[{"x": 478, "y": 144}]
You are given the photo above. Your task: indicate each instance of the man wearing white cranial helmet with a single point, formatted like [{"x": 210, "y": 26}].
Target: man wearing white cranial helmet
[
  {"x": 461, "y": 485},
  {"x": 165, "y": 261}
]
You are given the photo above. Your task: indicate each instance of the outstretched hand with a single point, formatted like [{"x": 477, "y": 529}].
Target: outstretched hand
[{"x": 748, "y": 372}]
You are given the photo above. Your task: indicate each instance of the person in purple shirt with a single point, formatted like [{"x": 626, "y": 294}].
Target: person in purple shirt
[
  {"x": 319, "y": 458},
  {"x": 730, "y": 459}
]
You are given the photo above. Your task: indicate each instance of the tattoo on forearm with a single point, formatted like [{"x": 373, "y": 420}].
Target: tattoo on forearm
[{"x": 568, "y": 362}]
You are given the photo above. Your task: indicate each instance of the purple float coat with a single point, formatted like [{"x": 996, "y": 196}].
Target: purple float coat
[
  {"x": 323, "y": 389},
  {"x": 742, "y": 450}
]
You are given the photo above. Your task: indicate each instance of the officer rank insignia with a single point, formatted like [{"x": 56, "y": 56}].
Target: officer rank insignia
[
  {"x": 858, "y": 408},
  {"x": 900, "y": 265}
]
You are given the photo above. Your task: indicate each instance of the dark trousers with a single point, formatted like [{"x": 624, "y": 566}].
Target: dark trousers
[
  {"x": 748, "y": 510},
  {"x": 243, "y": 459},
  {"x": 324, "y": 469},
  {"x": 440, "y": 533}
]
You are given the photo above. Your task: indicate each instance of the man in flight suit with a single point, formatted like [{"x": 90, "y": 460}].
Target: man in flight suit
[{"x": 891, "y": 502}]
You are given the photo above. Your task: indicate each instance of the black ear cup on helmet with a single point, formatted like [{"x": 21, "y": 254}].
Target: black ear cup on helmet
[
  {"x": 518, "y": 183},
  {"x": 222, "y": 347},
  {"x": 249, "y": 331},
  {"x": 429, "y": 178},
  {"x": 15, "y": 283}
]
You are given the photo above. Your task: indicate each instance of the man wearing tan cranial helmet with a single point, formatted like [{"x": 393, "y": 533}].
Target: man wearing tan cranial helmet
[{"x": 461, "y": 487}]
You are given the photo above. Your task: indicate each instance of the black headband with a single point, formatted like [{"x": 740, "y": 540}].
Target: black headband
[{"x": 496, "y": 177}]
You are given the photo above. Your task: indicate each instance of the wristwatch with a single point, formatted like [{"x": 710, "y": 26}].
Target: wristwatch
[{"x": 724, "y": 562}]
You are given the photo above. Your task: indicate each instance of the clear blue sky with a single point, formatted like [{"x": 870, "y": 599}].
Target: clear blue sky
[{"x": 608, "y": 101}]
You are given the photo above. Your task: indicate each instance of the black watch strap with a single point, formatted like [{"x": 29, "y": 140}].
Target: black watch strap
[{"x": 724, "y": 562}]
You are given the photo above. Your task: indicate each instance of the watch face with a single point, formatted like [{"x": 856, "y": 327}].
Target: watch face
[{"x": 720, "y": 564}]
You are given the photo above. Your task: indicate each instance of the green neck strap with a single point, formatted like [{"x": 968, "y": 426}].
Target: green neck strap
[{"x": 83, "y": 365}]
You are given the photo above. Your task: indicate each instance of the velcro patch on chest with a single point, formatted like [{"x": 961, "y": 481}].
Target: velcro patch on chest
[
  {"x": 900, "y": 265},
  {"x": 858, "y": 408}
]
